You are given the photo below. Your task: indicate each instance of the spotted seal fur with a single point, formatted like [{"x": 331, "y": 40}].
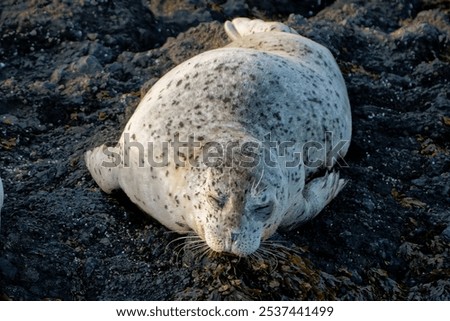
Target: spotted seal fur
[{"x": 274, "y": 97}]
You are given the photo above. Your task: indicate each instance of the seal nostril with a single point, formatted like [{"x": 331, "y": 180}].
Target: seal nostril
[{"x": 234, "y": 236}]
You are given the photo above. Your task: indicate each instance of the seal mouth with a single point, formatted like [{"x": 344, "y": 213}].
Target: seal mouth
[{"x": 233, "y": 245}]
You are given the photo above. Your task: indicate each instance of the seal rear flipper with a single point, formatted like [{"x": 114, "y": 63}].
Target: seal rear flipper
[
  {"x": 241, "y": 27},
  {"x": 231, "y": 31},
  {"x": 103, "y": 163}
]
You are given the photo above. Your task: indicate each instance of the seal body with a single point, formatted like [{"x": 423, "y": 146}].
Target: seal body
[{"x": 231, "y": 143}]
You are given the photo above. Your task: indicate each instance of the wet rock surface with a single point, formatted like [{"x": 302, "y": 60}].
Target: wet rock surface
[{"x": 72, "y": 73}]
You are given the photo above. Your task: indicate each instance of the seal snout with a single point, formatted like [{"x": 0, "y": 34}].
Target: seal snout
[{"x": 233, "y": 241}]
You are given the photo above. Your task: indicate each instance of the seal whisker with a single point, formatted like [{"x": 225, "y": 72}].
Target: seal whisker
[
  {"x": 190, "y": 236},
  {"x": 255, "y": 187},
  {"x": 265, "y": 248},
  {"x": 255, "y": 257},
  {"x": 211, "y": 254},
  {"x": 186, "y": 243},
  {"x": 194, "y": 241},
  {"x": 204, "y": 252},
  {"x": 194, "y": 248},
  {"x": 281, "y": 247},
  {"x": 177, "y": 248},
  {"x": 271, "y": 257}
]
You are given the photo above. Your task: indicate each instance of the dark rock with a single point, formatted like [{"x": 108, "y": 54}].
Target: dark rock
[
  {"x": 73, "y": 72},
  {"x": 446, "y": 234},
  {"x": 87, "y": 65},
  {"x": 7, "y": 269},
  {"x": 90, "y": 265}
]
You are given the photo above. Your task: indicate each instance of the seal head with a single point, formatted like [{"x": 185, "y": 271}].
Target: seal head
[{"x": 239, "y": 205}]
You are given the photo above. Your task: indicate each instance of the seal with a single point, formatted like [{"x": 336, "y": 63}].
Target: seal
[{"x": 235, "y": 142}]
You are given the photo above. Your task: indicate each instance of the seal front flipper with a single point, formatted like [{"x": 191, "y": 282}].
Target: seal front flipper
[
  {"x": 317, "y": 194},
  {"x": 103, "y": 163}
]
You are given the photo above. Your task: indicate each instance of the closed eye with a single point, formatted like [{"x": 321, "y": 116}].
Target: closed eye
[
  {"x": 263, "y": 212},
  {"x": 217, "y": 201},
  {"x": 263, "y": 208}
]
